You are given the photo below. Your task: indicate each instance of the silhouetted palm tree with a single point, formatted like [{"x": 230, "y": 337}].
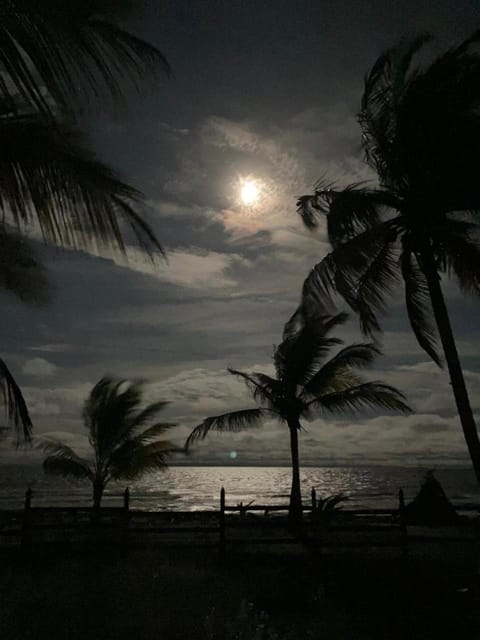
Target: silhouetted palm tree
[
  {"x": 305, "y": 385},
  {"x": 124, "y": 443},
  {"x": 421, "y": 134},
  {"x": 55, "y": 55}
]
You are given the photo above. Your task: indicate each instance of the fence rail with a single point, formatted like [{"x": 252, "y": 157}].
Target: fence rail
[{"x": 216, "y": 528}]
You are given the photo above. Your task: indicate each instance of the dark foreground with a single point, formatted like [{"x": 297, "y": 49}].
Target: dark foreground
[{"x": 256, "y": 595}]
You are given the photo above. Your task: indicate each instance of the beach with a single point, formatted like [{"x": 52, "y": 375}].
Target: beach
[{"x": 191, "y": 593}]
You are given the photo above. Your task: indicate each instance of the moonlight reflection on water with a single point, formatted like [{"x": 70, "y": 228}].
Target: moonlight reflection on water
[{"x": 198, "y": 488}]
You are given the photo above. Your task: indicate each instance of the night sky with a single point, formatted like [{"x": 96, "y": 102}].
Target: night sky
[{"x": 266, "y": 91}]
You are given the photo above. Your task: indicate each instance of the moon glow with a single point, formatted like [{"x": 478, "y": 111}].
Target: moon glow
[{"x": 249, "y": 192}]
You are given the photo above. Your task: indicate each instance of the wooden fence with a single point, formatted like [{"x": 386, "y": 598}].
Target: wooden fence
[{"x": 129, "y": 528}]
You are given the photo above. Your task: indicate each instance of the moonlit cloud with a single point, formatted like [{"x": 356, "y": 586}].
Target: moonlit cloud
[{"x": 39, "y": 367}]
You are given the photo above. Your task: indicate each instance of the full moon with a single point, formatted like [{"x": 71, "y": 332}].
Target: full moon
[{"x": 249, "y": 192}]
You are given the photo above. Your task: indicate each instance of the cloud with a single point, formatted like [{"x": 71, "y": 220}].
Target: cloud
[
  {"x": 39, "y": 367},
  {"x": 193, "y": 267}
]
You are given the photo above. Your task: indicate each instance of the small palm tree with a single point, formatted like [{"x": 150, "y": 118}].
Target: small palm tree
[
  {"x": 306, "y": 384},
  {"x": 124, "y": 443},
  {"x": 421, "y": 134}
]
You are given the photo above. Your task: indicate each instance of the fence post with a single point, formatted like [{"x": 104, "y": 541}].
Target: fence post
[
  {"x": 314, "y": 498},
  {"x": 125, "y": 519},
  {"x": 26, "y": 524},
  {"x": 222, "y": 521},
  {"x": 403, "y": 522}
]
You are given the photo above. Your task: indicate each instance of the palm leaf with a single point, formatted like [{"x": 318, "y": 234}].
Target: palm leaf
[
  {"x": 298, "y": 357},
  {"x": 68, "y": 49},
  {"x": 368, "y": 395},
  {"x": 305, "y": 345},
  {"x": 262, "y": 387},
  {"x": 110, "y": 411},
  {"x": 63, "y": 461},
  {"x": 384, "y": 92},
  {"x": 50, "y": 180},
  {"x": 419, "y": 307},
  {"x": 348, "y": 212},
  {"x": 375, "y": 284},
  {"x": 20, "y": 271},
  {"x": 457, "y": 244},
  {"x": 143, "y": 417},
  {"x": 362, "y": 270},
  {"x": 337, "y": 368},
  {"x": 153, "y": 432},
  {"x": 15, "y": 405},
  {"x": 135, "y": 458},
  {"x": 227, "y": 422}
]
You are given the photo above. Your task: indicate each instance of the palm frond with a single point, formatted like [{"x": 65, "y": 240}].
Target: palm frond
[
  {"x": 228, "y": 422},
  {"x": 375, "y": 284},
  {"x": 419, "y": 306},
  {"x": 134, "y": 459},
  {"x": 330, "y": 504},
  {"x": 15, "y": 405},
  {"x": 70, "y": 49},
  {"x": 262, "y": 387},
  {"x": 146, "y": 415},
  {"x": 385, "y": 89},
  {"x": 368, "y": 395},
  {"x": 152, "y": 432},
  {"x": 301, "y": 352},
  {"x": 457, "y": 243},
  {"x": 20, "y": 271},
  {"x": 50, "y": 180},
  {"x": 312, "y": 207},
  {"x": 110, "y": 411},
  {"x": 362, "y": 270},
  {"x": 63, "y": 461},
  {"x": 348, "y": 212},
  {"x": 337, "y": 370}
]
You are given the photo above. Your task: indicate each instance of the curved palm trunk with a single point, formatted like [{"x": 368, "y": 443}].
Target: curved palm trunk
[
  {"x": 453, "y": 361},
  {"x": 295, "y": 508}
]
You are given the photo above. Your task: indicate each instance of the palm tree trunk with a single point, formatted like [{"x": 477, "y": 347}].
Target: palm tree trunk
[
  {"x": 295, "y": 508},
  {"x": 97, "y": 495},
  {"x": 453, "y": 361}
]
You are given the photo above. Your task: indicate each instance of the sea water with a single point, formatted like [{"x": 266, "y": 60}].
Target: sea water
[{"x": 198, "y": 488}]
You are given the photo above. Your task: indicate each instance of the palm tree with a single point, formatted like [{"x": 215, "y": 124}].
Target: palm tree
[
  {"x": 307, "y": 383},
  {"x": 421, "y": 134},
  {"x": 124, "y": 443},
  {"x": 55, "y": 56}
]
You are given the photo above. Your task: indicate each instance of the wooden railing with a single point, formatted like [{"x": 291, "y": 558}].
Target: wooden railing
[{"x": 129, "y": 526}]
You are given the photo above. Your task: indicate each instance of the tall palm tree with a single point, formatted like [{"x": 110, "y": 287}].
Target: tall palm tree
[
  {"x": 125, "y": 445},
  {"x": 55, "y": 57},
  {"x": 421, "y": 134},
  {"x": 307, "y": 384}
]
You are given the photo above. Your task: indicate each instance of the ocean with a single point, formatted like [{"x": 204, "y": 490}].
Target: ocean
[{"x": 198, "y": 488}]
